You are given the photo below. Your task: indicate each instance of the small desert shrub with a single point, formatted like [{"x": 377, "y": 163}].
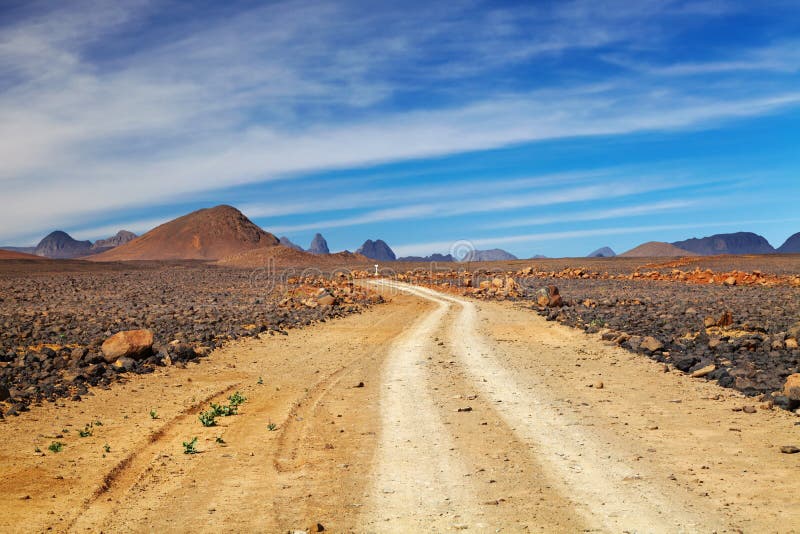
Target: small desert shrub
[
  {"x": 237, "y": 399},
  {"x": 224, "y": 411},
  {"x": 208, "y": 418},
  {"x": 56, "y": 446},
  {"x": 190, "y": 447}
]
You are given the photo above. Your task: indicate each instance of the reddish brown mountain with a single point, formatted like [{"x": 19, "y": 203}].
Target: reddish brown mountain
[
  {"x": 207, "y": 234},
  {"x": 656, "y": 249}
]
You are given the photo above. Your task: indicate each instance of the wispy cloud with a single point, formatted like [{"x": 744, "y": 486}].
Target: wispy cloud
[
  {"x": 106, "y": 107},
  {"x": 456, "y": 204},
  {"x": 627, "y": 211}
]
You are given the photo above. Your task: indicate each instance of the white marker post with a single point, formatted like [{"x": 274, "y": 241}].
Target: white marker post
[{"x": 376, "y": 269}]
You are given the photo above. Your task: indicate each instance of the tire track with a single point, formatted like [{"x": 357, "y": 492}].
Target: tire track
[
  {"x": 418, "y": 477},
  {"x": 608, "y": 493}
]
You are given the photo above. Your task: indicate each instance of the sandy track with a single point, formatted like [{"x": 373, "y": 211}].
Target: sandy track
[
  {"x": 537, "y": 451},
  {"x": 418, "y": 478},
  {"x": 650, "y": 451},
  {"x": 609, "y": 492}
]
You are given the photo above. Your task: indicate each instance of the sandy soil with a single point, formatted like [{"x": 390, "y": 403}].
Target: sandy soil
[{"x": 476, "y": 416}]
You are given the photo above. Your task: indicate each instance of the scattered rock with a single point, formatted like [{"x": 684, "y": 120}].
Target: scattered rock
[
  {"x": 124, "y": 364},
  {"x": 703, "y": 371},
  {"x": 651, "y": 344},
  {"x": 128, "y": 343},
  {"x": 789, "y": 449}
]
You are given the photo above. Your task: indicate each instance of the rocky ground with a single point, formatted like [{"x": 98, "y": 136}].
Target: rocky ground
[
  {"x": 738, "y": 325},
  {"x": 55, "y": 318},
  {"x": 742, "y": 337}
]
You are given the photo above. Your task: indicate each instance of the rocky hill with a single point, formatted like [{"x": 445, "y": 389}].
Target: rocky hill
[
  {"x": 286, "y": 242},
  {"x": 494, "y": 254},
  {"x": 121, "y": 237},
  {"x": 61, "y": 245},
  {"x": 736, "y": 243},
  {"x": 605, "y": 252},
  {"x": 656, "y": 249},
  {"x": 206, "y": 234},
  {"x": 791, "y": 245},
  {"x": 319, "y": 245},
  {"x": 377, "y": 250}
]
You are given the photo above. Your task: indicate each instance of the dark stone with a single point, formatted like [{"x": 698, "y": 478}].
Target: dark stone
[{"x": 685, "y": 364}]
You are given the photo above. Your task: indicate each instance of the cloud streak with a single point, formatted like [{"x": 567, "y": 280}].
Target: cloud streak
[{"x": 91, "y": 125}]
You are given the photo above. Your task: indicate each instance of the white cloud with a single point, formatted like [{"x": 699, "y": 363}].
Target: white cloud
[{"x": 294, "y": 88}]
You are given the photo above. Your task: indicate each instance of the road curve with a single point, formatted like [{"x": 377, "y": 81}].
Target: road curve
[{"x": 609, "y": 492}]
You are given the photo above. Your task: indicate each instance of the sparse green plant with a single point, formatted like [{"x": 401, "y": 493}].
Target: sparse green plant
[
  {"x": 237, "y": 399},
  {"x": 260, "y": 381},
  {"x": 65, "y": 430},
  {"x": 56, "y": 446},
  {"x": 87, "y": 430},
  {"x": 208, "y": 418},
  {"x": 190, "y": 447},
  {"x": 98, "y": 423},
  {"x": 220, "y": 440},
  {"x": 220, "y": 410},
  {"x": 37, "y": 450},
  {"x": 107, "y": 447},
  {"x": 272, "y": 427},
  {"x": 153, "y": 414}
]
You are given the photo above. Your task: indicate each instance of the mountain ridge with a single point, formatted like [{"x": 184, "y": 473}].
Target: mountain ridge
[{"x": 205, "y": 234}]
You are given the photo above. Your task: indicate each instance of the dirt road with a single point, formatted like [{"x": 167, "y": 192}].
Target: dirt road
[{"x": 429, "y": 413}]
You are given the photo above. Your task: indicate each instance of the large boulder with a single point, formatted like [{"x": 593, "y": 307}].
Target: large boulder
[
  {"x": 791, "y": 388},
  {"x": 134, "y": 344}
]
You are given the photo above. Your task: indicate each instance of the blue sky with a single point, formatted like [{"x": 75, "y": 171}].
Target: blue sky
[{"x": 537, "y": 127}]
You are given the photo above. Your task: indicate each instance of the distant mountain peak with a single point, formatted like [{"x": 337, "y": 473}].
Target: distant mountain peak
[
  {"x": 494, "y": 254},
  {"x": 656, "y": 249},
  {"x": 120, "y": 238},
  {"x": 735, "y": 243},
  {"x": 318, "y": 245},
  {"x": 377, "y": 250},
  {"x": 791, "y": 245},
  {"x": 603, "y": 252},
  {"x": 61, "y": 245},
  {"x": 286, "y": 242}
]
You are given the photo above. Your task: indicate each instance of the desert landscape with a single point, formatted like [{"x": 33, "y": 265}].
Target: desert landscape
[
  {"x": 399, "y": 267},
  {"x": 317, "y": 391}
]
